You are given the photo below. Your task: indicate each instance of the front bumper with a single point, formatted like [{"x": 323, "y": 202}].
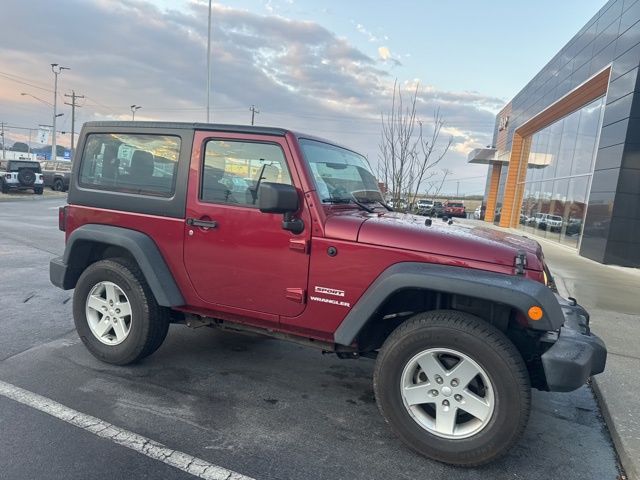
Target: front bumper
[{"x": 576, "y": 354}]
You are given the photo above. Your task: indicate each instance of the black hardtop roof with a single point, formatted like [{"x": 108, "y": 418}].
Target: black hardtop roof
[
  {"x": 192, "y": 126},
  {"x": 214, "y": 127}
]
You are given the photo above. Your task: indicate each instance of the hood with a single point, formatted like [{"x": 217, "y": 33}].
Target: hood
[{"x": 409, "y": 232}]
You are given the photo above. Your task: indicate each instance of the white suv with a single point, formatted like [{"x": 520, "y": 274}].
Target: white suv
[{"x": 21, "y": 175}]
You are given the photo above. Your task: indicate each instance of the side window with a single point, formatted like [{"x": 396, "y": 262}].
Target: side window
[
  {"x": 143, "y": 164},
  {"x": 232, "y": 170}
]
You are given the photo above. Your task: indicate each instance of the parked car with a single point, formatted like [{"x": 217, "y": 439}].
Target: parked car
[
  {"x": 20, "y": 175},
  {"x": 438, "y": 209},
  {"x": 461, "y": 324},
  {"x": 547, "y": 221},
  {"x": 56, "y": 175},
  {"x": 455, "y": 209},
  {"x": 424, "y": 207}
]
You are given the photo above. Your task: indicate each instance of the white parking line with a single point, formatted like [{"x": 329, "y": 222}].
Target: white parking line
[{"x": 187, "y": 463}]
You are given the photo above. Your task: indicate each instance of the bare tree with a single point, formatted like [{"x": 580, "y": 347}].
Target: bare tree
[{"x": 408, "y": 156}]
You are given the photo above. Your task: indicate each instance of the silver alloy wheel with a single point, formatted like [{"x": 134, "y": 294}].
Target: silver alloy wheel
[
  {"x": 108, "y": 313},
  {"x": 447, "y": 393}
]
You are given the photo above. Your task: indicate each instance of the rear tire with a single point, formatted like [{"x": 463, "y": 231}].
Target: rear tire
[
  {"x": 101, "y": 289},
  {"x": 4, "y": 188},
  {"x": 58, "y": 186},
  {"x": 38, "y": 190},
  {"x": 466, "y": 417}
]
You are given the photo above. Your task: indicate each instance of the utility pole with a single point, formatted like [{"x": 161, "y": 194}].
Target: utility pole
[
  {"x": 56, "y": 69},
  {"x": 2, "y": 135},
  {"x": 253, "y": 111},
  {"x": 73, "y": 105}
]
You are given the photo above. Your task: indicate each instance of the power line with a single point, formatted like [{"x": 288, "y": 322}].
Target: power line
[{"x": 11, "y": 77}]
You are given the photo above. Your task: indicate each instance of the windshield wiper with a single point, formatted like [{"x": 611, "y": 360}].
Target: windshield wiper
[{"x": 347, "y": 201}]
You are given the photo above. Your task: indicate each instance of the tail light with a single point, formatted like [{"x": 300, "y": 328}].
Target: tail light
[{"x": 62, "y": 218}]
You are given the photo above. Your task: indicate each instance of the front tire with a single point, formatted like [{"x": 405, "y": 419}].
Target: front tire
[
  {"x": 115, "y": 313},
  {"x": 453, "y": 388}
]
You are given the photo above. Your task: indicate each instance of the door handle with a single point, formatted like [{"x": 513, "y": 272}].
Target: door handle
[{"x": 202, "y": 223}]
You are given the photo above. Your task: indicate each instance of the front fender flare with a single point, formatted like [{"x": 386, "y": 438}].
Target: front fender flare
[{"x": 516, "y": 291}]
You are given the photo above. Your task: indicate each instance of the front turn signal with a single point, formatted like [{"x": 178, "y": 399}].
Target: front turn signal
[{"x": 535, "y": 313}]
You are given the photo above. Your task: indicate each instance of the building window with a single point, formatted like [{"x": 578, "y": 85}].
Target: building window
[{"x": 560, "y": 166}]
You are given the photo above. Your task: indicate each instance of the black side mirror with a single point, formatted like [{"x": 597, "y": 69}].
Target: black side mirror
[
  {"x": 277, "y": 198},
  {"x": 281, "y": 198}
]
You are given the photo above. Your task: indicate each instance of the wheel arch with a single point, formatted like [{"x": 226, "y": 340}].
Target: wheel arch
[
  {"x": 433, "y": 287},
  {"x": 90, "y": 243}
]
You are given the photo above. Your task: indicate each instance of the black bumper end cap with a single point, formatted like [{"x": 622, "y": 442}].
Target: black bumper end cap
[
  {"x": 573, "y": 359},
  {"x": 59, "y": 274}
]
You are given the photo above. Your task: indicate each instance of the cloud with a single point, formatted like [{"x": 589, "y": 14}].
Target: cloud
[
  {"x": 385, "y": 54},
  {"x": 298, "y": 73}
]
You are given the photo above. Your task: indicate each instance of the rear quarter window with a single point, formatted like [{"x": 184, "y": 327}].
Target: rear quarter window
[{"x": 143, "y": 164}]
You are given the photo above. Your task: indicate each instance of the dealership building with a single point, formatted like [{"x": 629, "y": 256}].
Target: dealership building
[{"x": 565, "y": 159}]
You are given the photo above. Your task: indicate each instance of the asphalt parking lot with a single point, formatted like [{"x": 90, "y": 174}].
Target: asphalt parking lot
[{"x": 257, "y": 406}]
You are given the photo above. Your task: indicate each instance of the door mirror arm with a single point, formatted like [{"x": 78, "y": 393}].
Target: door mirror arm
[{"x": 292, "y": 224}]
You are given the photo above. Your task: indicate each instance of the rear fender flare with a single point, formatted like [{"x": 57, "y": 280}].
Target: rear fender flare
[{"x": 141, "y": 247}]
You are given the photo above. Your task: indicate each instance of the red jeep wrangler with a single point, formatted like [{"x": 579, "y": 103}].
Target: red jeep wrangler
[
  {"x": 455, "y": 209},
  {"x": 271, "y": 231}
]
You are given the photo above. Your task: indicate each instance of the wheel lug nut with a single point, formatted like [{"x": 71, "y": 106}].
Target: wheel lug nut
[
  {"x": 438, "y": 379},
  {"x": 454, "y": 382},
  {"x": 445, "y": 403},
  {"x": 117, "y": 310},
  {"x": 458, "y": 398},
  {"x": 434, "y": 393}
]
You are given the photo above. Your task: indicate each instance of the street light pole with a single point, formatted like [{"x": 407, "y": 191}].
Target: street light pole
[
  {"x": 56, "y": 69},
  {"x": 134, "y": 108},
  {"x": 209, "y": 65}
]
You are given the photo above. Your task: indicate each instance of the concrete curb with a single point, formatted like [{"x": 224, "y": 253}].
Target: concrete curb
[
  {"x": 31, "y": 197},
  {"x": 626, "y": 458}
]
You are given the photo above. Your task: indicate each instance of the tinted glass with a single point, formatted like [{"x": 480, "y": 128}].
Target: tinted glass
[
  {"x": 586, "y": 138},
  {"x": 560, "y": 166},
  {"x": 130, "y": 163},
  {"x": 567, "y": 145},
  {"x": 233, "y": 170},
  {"x": 575, "y": 210}
]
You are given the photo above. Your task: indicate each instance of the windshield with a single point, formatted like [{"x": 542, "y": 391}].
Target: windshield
[{"x": 340, "y": 174}]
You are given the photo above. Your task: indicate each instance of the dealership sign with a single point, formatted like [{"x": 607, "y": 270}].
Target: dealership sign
[{"x": 503, "y": 123}]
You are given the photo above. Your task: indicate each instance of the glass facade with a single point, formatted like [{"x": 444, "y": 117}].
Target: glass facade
[{"x": 559, "y": 169}]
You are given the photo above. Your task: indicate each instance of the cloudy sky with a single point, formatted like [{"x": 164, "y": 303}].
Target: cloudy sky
[{"x": 326, "y": 68}]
